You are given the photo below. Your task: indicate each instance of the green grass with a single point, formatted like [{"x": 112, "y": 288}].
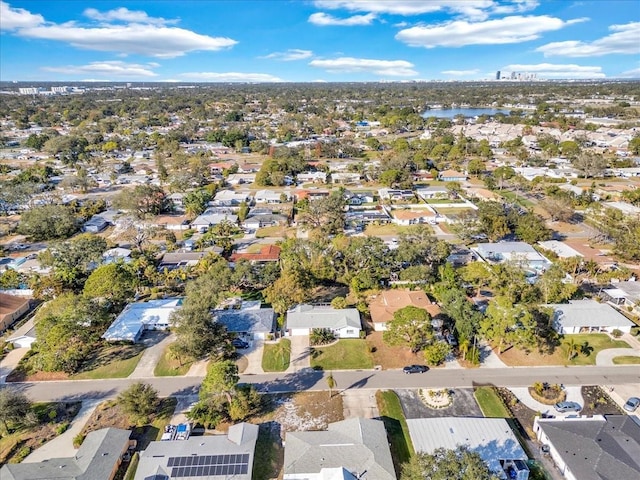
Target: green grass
[
  {"x": 511, "y": 196},
  {"x": 133, "y": 466},
  {"x": 626, "y": 360},
  {"x": 596, "y": 341},
  {"x": 268, "y": 454},
  {"x": 396, "y": 425},
  {"x": 490, "y": 403},
  {"x": 276, "y": 356},
  {"x": 115, "y": 369},
  {"x": 170, "y": 367},
  {"x": 347, "y": 354},
  {"x": 389, "y": 229}
]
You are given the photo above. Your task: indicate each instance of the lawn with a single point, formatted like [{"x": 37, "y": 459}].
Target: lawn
[
  {"x": 277, "y": 232},
  {"x": 389, "y": 357},
  {"x": 596, "y": 342},
  {"x": 626, "y": 360},
  {"x": 511, "y": 196},
  {"x": 397, "y": 431},
  {"x": 114, "y": 369},
  {"x": 389, "y": 229},
  {"x": 276, "y": 356},
  {"x": 346, "y": 354},
  {"x": 490, "y": 403},
  {"x": 168, "y": 366}
]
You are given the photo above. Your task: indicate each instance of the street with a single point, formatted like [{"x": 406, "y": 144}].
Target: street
[{"x": 316, "y": 380}]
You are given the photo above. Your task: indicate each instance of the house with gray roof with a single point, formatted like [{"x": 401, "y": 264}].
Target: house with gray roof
[
  {"x": 98, "y": 458},
  {"x": 625, "y": 294},
  {"x": 351, "y": 449},
  {"x": 206, "y": 457},
  {"x": 210, "y": 218},
  {"x": 592, "y": 448},
  {"x": 252, "y": 322},
  {"x": 344, "y": 322},
  {"x": 492, "y": 438},
  {"x": 588, "y": 316}
]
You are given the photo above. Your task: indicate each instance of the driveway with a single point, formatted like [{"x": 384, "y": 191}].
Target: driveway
[
  {"x": 464, "y": 405},
  {"x": 574, "y": 394},
  {"x": 300, "y": 353},
  {"x": 62, "y": 445},
  {"x": 359, "y": 403},
  {"x": 157, "y": 342},
  {"x": 254, "y": 356},
  {"x": 10, "y": 362},
  {"x": 605, "y": 357},
  {"x": 489, "y": 358}
]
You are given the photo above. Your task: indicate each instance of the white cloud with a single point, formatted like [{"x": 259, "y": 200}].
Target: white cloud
[
  {"x": 460, "y": 73},
  {"x": 551, "y": 70},
  {"x": 123, "y": 14},
  {"x": 14, "y": 18},
  {"x": 290, "y": 55},
  {"x": 110, "y": 68},
  {"x": 635, "y": 73},
  {"x": 392, "y": 68},
  {"x": 625, "y": 39},
  {"x": 513, "y": 29},
  {"x": 230, "y": 77},
  {"x": 324, "y": 19},
  {"x": 151, "y": 40},
  {"x": 475, "y": 9}
]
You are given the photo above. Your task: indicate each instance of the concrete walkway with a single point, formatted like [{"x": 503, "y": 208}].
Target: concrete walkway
[
  {"x": 62, "y": 445},
  {"x": 182, "y": 407},
  {"x": 253, "y": 354},
  {"x": 10, "y": 362},
  {"x": 574, "y": 394},
  {"x": 605, "y": 357},
  {"x": 151, "y": 356},
  {"x": 300, "y": 353},
  {"x": 198, "y": 369}
]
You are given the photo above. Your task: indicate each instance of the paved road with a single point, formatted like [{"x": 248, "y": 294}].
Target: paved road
[{"x": 315, "y": 380}]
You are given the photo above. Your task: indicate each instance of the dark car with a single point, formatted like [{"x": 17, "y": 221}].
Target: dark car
[
  {"x": 567, "y": 407},
  {"x": 239, "y": 343},
  {"x": 632, "y": 404},
  {"x": 415, "y": 369}
]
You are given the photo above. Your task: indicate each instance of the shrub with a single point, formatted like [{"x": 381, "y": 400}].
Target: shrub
[
  {"x": 22, "y": 454},
  {"x": 321, "y": 336},
  {"x": 436, "y": 353},
  {"x": 616, "y": 333},
  {"x": 78, "y": 439},
  {"x": 60, "y": 429}
]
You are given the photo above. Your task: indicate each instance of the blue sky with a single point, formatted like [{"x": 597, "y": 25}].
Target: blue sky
[{"x": 317, "y": 40}]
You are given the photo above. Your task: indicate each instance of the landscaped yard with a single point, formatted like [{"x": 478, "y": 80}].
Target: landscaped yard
[
  {"x": 396, "y": 426},
  {"x": 115, "y": 369},
  {"x": 276, "y": 232},
  {"x": 596, "y": 342},
  {"x": 346, "y": 354},
  {"x": 490, "y": 403},
  {"x": 626, "y": 360},
  {"x": 276, "y": 356},
  {"x": 169, "y": 366}
]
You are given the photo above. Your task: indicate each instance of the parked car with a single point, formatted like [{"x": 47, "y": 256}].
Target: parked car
[
  {"x": 632, "y": 404},
  {"x": 567, "y": 407},
  {"x": 239, "y": 343},
  {"x": 451, "y": 340},
  {"x": 415, "y": 369}
]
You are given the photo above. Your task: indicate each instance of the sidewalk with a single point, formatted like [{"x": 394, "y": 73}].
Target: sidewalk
[{"x": 62, "y": 445}]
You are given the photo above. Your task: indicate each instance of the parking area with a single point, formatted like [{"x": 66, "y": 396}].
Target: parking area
[
  {"x": 300, "y": 353},
  {"x": 253, "y": 354},
  {"x": 464, "y": 405}
]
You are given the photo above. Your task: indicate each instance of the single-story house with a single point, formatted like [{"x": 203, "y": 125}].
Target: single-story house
[
  {"x": 429, "y": 193},
  {"x": 452, "y": 176},
  {"x": 586, "y": 316},
  {"x": 518, "y": 252},
  {"x": 367, "y": 216},
  {"x": 206, "y": 457},
  {"x": 256, "y": 323},
  {"x": 312, "y": 177},
  {"x": 348, "y": 450},
  {"x": 271, "y": 196},
  {"x": 24, "y": 337},
  {"x": 117, "y": 254},
  {"x": 560, "y": 248},
  {"x": 592, "y": 448},
  {"x": 173, "y": 260},
  {"x": 11, "y": 309},
  {"x": 95, "y": 224},
  {"x": 256, "y": 221},
  {"x": 624, "y": 293},
  {"x": 98, "y": 458},
  {"x": 491, "y": 438},
  {"x": 344, "y": 323},
  {"x": 241, "y": 178},
  {"x": 395, "y": 194},
  {"x": 268, "y": 253},
  {"x": 230, "y": 198},
  {"x": 141, "y": 316},
  {"x": 388, "y": 302},
  {"x": 310, "y": 194},
  {"x": 169, "y": 222},
  {"x": 206, "y": 220},
  {"x": 345, "y": 178},
  {"x": 413, "y": 217}
]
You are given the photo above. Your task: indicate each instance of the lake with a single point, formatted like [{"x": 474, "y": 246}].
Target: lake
[{"x": 467, "y": 112}]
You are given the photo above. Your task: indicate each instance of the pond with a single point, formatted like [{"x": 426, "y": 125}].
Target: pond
[{"x": 467, "y": 112}]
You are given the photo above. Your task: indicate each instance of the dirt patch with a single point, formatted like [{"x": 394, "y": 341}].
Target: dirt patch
[
  {"x": 19, "y": 375},
  {"x": 328, "y": 293},
  {"x": 523, "y": 416},
  {"x": 390, "y": 357},
  {"x": 598, "y": 402},
  {"x": 515, "y": 357},
  {"x": 57, "y": 417}
]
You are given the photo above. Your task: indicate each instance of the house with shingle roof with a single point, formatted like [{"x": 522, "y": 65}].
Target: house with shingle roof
[
  {"x": 253, "y": 322},
  {"x": 344, "y": 322},
  {"x": 388, "y": 302},
  {"x": 588, "y": 316},
  {"x": 351, "y": 449}
]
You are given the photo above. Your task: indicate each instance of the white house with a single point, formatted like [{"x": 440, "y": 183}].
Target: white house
[
  {"x": 141, "y": 316},
  {"x": 207, "y": 219},
  {"x": 344, "y": 323},
  {"x": 271, "y": 196},
  {"x": 518, "y": 252},
  {"x": 432, "y": 192},
  {"x": 312, "y": 177},
  {"x": 588, "y": 316},
  {"x": 229, "y": 198}
]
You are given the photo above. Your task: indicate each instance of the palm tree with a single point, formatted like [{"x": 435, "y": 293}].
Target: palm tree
[
  {"x": 572, "y": 348},
  {"x": 464, "y": 346},
  {"x": 331, "y": 383}
]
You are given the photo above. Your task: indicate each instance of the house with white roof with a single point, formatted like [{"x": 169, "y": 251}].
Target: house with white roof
[
  {"x": 518, "y": 252},
  {"x": 271, "y": 196},
  {"x": 344, "y": 323},
  {"x": 588, "y": 316},
  {"x": 230, "y": 198},
  {"x": 138, "y": 317},
  {"x": 491, "y": 438},
  {"x": 210, "y": 218}
]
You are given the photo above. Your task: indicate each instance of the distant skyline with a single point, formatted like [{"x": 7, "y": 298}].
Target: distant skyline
[{"x": 317, "y": 40}]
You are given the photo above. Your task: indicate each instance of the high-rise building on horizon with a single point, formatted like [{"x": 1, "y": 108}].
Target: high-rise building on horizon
[{"x": 498, "y": 75}]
